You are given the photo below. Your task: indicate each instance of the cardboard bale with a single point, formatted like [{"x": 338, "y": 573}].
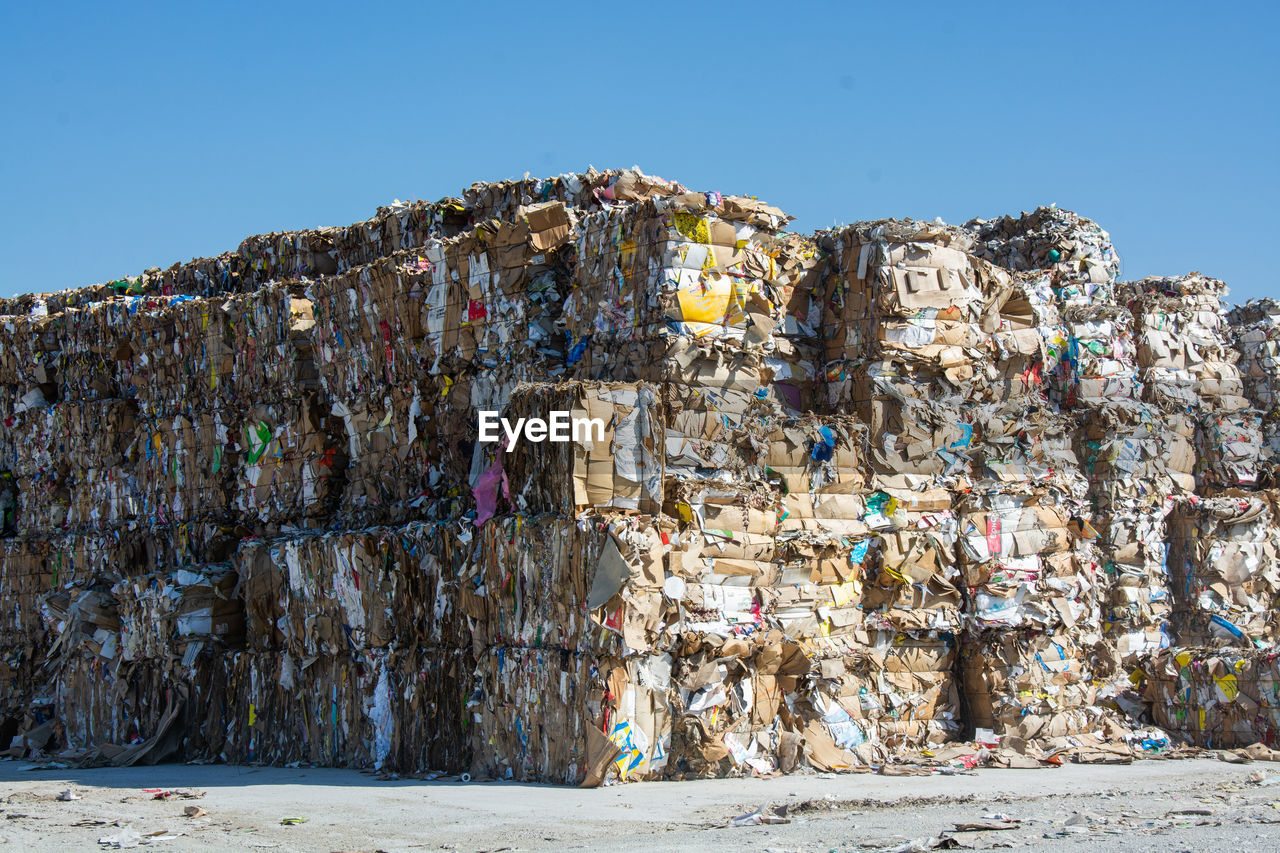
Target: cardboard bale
[
  {"x": 120, "y": 712},
  {"x": 842, "y": 480},
  {"x": 158, "y": 616},
  {"x": 530, "y": 711},
  {"x": 326, "y": 250},
  {"x": 906, "y": 305},
  {"x": 1100, "y": 366},
  {"x": 1025, "y": 565},
  {"x": 527, "y": 581},
  {"x": 24, "y": 634},
  {"x": 703, "y": 266},
  {"x": 370, "y": 325},
  {"x": 79, "y": 558},
  {"x": 21, "y": 678},
  {"x": 612, "y": 458},
  {"x": 1256, "y": 330},
  {"x": 1076, "y": 251},
  {"x": 590, "y": 189},
  {"x": 1026, "y": 550},
  {"x": 388, "y": 453},
  {"x": 891, "y": 689},
  {"x": 1216, "y": 698},
  {"x": 283, "y": 709},
  {"x": 1184, "y": 346},
  {"x": 880, "y": 561},
  {"x": 1231, "y": 449},
  {"x": 475, "y": 301},
  {"x": 69, "y": 466},
  {"x": 783, "y": 378},
  {"x": 1133, "y": 447},
  {"x": 1139, "y": 460},
  {"x": 907, "y": 574},
  {"x": 285, "y": 459},
  {"x": 388, "y": 711},
  {"x": 1224, "y": 554},
  {"x": 1031, "y": 685},
  {"x": 164, "y": 615},
  {"x": 1026, "y": 446},
  {"x": 725, "y": 715},
  {"x": 77, "y": 353},
  {"x": 44, "y": 304},
  {"x": 1189, "y": 361},
  {"x": 184, "y": 467},
  {"x": 348, "y": 592},
  {"x": 1133, "y": 549},
  {"x": 428, "y": 699},
  {"x": 726, "y": 437},
  {"x": 198, "y": 354}
]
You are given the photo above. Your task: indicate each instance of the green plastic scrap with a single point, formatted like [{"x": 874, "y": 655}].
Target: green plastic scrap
[{"x": 258, "y": 438}]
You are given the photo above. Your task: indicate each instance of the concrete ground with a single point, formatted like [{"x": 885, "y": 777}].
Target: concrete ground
[{"x": 1196, "y": 804}]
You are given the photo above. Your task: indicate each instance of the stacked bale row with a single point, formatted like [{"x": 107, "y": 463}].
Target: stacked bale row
[{"x": 830, "y": 500}]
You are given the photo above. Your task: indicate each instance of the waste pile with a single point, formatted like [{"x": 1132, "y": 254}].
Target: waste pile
[{"x": 597, "y": 478}]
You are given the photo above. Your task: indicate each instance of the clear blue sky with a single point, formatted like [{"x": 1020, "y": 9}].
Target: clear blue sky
[{"x": 139, "y": 135}]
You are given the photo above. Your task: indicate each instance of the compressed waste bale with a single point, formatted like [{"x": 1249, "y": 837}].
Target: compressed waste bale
[
  {"x": 184, "y": 467},
  {"x": 1189, "y": 363},
  {"x": 1231, "y": 448},
  {"x": 1077, "y": 250},
  {"x": 1224, "y": 557},
  {"x": 850, "y": 488},
  {"x": 710, "y": 268},
  {"x": 82, "y": 557},
  {"x": 177, "y": 614},
  {"x": 1024, "y": 566},
  {"x": 892, "y": 690},
  {"x": 1011, "y": 677},
  {"x": 1101, "y": 356},
  {"x": 69, "y": 466},
  {"x": 907, "y": 307},
  {"x": 1216, "y": 698},
  {"x": 380, "y": 451},
  {"x": 523, "y": 581},
  {"x": 26, "y": 576},
  {"x": 24, "y": 636},
  {"x": 1139, "y": 461},
  {"x": 1184, "y": 346},
  {"x": 1138, "y": 609},
  {"x": 285, "y": 458},
  {"x": 347, "y": 592},
  {"x": 122, "y": 712},
  {"x": 613, "y": 455},
  {"x": 159, "y": 616},
  {"x": 191, "y": 354},
  {"x": 1256, "y": 329},
  {"x": 529, "y": 711},
  {"x": 365, "y": 711}
]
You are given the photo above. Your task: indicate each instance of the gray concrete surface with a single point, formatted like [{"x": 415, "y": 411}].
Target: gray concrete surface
[{"x": 1198, "y": 804}]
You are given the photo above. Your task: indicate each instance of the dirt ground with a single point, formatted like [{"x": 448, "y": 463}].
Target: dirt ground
[{"x": 1150, "y": 805}]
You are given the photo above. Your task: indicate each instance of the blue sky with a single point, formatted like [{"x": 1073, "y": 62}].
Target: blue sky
[{"x": 140, "y": 135}]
